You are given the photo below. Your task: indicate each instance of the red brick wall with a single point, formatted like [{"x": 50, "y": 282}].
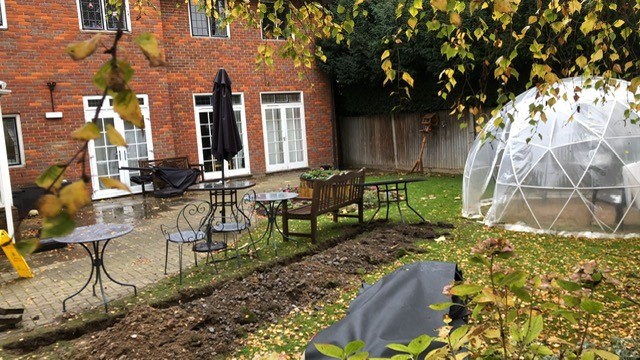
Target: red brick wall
[
  {"x": 33, "y": 49},
  {"x": 33, "y": 53},
  {"x": 194, "y": 62}
]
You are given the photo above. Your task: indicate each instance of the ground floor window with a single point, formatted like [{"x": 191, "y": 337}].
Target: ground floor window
[
  {"x": 13, "y": 139},
  {"x": 284, "y": 130},
  {"x": 239, "y": 165}
]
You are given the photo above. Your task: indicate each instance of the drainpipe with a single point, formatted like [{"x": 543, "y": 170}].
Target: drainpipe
[{"x": 5, "y": 181}]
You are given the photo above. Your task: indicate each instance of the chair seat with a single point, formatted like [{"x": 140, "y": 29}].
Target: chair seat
[
  {"x": 141, "y": 179},
  {"x": 209, "y": 247},
  {"x": 228, "y": 227},
  {"x": 186, "y": 236}
]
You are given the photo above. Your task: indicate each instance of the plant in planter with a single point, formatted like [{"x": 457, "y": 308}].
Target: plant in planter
[{"x": 306, "y": 180}]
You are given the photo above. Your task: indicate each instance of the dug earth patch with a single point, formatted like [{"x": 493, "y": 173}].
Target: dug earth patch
[{"x": 216, "y": 324}]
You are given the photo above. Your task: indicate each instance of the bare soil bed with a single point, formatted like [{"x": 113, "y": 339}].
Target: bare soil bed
[{"x": 213, "y": 325}]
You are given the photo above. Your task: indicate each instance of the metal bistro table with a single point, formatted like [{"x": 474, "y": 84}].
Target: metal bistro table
[
  {"x": 389, "y": 191},
  {"x": 271, "y": 202},
  {"x": 93, "y": 235},
  {"x": 223, "y": 198}
]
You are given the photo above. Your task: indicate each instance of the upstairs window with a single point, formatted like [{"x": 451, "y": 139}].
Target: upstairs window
[
  {"x": 207, "y": 26},
  {"x": 3, "y": 16},
  {"x": 274, "y": 22},
  {"x": 100, "y": 15},
  {"x": 13, "y": 139}
]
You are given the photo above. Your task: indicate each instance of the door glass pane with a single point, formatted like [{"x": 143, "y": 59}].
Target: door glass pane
[
  {"x": 294, "y": 134},
  {"x": 106, "y": 154},
  {"x": 136, "y": 144},
  {"x": 238, "y": 161},
  {"x": 204, "y": 121},
  {"x": 275, "y": 144},
  {"x": 101, "y": 154}
]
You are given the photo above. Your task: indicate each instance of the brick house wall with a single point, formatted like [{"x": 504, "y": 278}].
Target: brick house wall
[{"x": 33, "y": 48}]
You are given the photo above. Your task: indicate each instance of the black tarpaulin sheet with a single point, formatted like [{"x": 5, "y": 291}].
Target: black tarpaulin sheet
[
  {"x": 395, "y": 310},
  {"x": 179, "y": 179}
]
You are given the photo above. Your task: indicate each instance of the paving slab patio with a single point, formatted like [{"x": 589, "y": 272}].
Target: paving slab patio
[{"x": 136, "y": 258}]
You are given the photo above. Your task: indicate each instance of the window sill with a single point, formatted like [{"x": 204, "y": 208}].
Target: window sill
[
  {"x": 103, "y": 31},
  {"x": 210, "y": 37}
]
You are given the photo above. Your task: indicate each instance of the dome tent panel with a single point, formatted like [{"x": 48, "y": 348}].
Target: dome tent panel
[
  {"x": 619, "y": 125},
  {"x": 564, "y": 175},
  {"x": 577, "y": 215},
  {"x": 548, "y": 173},
  {"x": 512, "y": 208},
  {"x": 627, "y": 148},
  {"x": 571, "y": 133},
  {"x": 575, "y": 158},
  {"x": 479, "y": 177}
]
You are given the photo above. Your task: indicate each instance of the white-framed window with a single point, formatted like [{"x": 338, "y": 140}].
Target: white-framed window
[
  {"x": 274, "y": 22},
  {"x": 101, "y": 16},
  {"x": 13, "y": 139},
  {"x": 283, "y": 127},
  {"x": 3, "y": 15},
  {"x": 207, "y": 26}
]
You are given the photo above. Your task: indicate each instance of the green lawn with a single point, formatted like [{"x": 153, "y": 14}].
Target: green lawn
[{"x": 439, "y": 199}]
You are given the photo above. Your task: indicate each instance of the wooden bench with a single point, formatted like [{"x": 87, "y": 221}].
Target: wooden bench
[
  {"x": 329, "y": 196},
  {"x": 160, "y": 187}
]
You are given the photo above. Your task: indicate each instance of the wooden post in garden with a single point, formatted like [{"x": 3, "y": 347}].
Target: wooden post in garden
[{"x": 429, "y": 121}]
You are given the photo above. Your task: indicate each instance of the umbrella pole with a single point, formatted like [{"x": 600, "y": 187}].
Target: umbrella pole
[{"x": 223, "y": 193}]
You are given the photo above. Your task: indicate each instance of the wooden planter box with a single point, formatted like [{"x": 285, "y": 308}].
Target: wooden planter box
[{"x": 305, "y": 190}]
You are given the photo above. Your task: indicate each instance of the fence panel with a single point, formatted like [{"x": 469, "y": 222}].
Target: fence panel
[{"x": 393, "y": 142}]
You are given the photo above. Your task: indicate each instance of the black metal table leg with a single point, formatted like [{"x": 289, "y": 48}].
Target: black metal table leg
[
  {"x": 64, "y": 302},
  {"x": 135, "y": 289},
  {"x": 406, "y": 201}
]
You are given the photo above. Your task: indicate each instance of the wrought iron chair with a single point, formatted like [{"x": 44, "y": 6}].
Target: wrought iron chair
[
  {"x": 240, "y": 218},
  {"x": 190, "y": 227}
]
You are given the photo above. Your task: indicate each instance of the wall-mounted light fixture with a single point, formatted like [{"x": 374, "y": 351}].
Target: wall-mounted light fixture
[
  {"x": 52, "y": 86},
  {"x": 53, "y": 114}
]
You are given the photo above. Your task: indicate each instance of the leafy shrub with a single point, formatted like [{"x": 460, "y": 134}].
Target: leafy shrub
[{"x": 318, "y": 174}]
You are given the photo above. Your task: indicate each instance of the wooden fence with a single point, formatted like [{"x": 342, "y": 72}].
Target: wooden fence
[{"x": 393, "y": 142}]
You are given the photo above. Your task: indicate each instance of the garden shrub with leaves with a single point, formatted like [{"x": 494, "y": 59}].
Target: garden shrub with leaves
[
  {"x": 513, "y": 315},
  {"x": 318, "y": 174}
]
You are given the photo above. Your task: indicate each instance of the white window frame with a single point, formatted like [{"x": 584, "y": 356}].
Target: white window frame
[
  {"x": 263, "y": 107},
  {"x": 127, "y": 21},
  {"x": 20, "y": 139},
  {"x": 3, "y": 15},
  {"x": 107, "y": 110},
  {"x": 209, "y": 20},
  {"x": 276, "y": 38},
  {"x": 245, "y": 135}
]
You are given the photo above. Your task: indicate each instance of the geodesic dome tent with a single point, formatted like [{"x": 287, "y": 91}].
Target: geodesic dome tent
[{"x": 578, "y": 172}]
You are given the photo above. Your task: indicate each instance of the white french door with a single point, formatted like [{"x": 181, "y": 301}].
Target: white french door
[
  {"x": 239, "y": 165},
  {"x": 284, "y": 131},
  {"x": 106, "y": 159}
]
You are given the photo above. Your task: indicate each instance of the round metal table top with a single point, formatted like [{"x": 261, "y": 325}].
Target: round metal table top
[
  {"x": 218, "y": 185},
  {"x": 97, "y": 232},
  {"x": 275, "y": 196}
]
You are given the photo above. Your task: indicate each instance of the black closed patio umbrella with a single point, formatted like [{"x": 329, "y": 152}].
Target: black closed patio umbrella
[{"x": 226, "y": 141}]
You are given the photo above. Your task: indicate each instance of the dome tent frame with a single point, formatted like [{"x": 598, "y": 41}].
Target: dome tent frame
[{"x": 577, "y": 172}]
